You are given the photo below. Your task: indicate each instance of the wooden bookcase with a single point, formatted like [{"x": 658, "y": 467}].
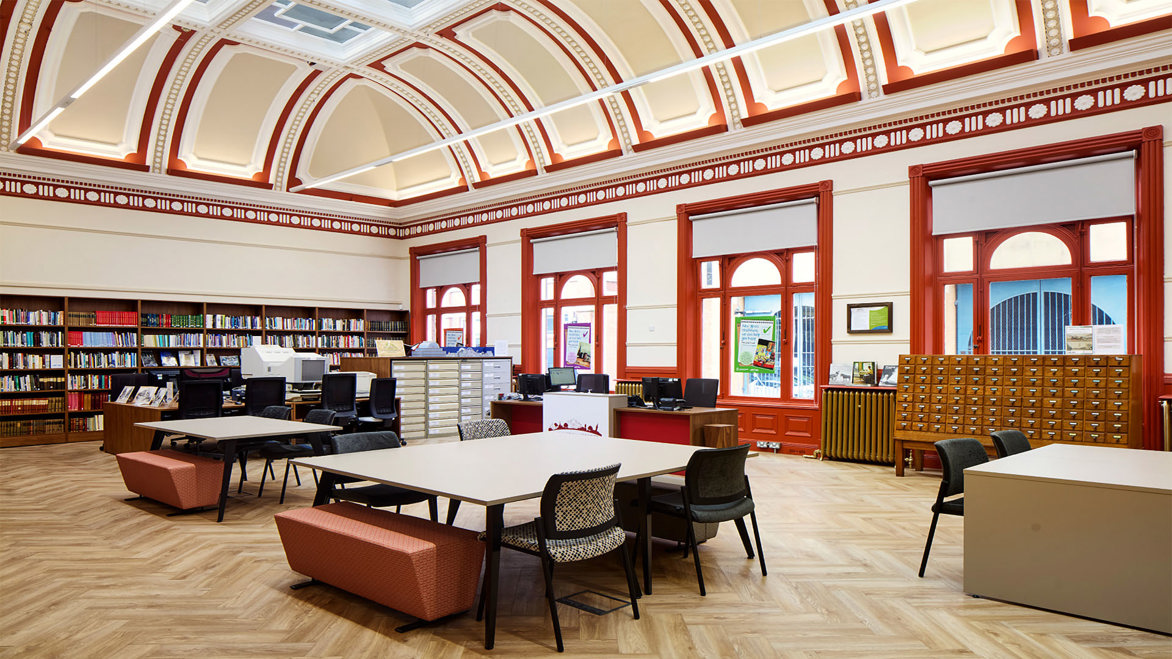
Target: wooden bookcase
[{"x": 57, "y": 353}]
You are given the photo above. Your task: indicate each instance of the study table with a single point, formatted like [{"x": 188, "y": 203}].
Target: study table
[
  {"x": 646, "y": 423},
  {"x": 232, "y": 434},
  {"x": 501, "y": 470},
  {"x": 1085, "y": 530}
]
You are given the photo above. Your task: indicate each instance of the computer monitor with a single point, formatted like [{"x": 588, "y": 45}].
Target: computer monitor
[
  {"x": 530, "y": 384},
  {"x": 670, "y": 388},
  {"x": 561, "y": 376},
  {"x": 650, "y": 390},
  {"x": 276, "y": 361}
]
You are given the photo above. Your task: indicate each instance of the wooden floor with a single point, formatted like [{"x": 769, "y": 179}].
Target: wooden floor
[{"x": 84, "y": 573}]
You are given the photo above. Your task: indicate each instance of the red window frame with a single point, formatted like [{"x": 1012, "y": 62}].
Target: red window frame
[
  {"x": 557, "y": 303},
  {"x": 419, "y": 308}
]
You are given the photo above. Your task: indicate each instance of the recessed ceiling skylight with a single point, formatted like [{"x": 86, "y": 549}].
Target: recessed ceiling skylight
[{"x": 311, "y": 21}]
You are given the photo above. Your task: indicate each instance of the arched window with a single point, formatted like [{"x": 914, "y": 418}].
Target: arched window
[
  {"x": 458, "y": 313},
  {"x": 575, "y": 309},
  {"x": 1015, "y": 291},
  {"x": 447, "y": 293}
]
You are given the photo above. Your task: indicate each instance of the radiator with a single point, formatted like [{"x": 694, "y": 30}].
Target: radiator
[
  {"x": 857, "y": 424},
  {"x": 629, "y": 387}
]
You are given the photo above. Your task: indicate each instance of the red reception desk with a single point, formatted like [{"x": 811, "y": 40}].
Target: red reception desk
[{"x": 648, "y": 424}]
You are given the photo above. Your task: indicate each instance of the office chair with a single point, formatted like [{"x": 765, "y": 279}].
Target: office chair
[
  {"x": 478, "y": 429},
  {"x": 578, "y": 521},
  {"x": 199, "y": 399},
  {"x": 379, "y": 495},
  {"x": 382, "y": 405},
  {"x": 260, "y": 393},
  {"x": 1010, "y": 442},
  {"x": 956, "y": 455},
  {"x": 701, "y": 392},
  {"x": 715, "y": 490},
  {"x": 318, "y": 444},
  {"x": 593, "y": 383},
  {"x": 338, "y": 391}
]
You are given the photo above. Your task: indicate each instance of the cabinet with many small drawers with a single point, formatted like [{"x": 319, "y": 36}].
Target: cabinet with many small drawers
[
  {"x": 1084, "y": 399},
  {"x": 438, "y": 393}
]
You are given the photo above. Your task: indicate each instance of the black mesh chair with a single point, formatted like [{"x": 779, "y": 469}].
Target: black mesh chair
[
  {"x": 380, "y": 495},
  {"x": 593, "y": 383},
  {"x": 1009, "y": 442},
  {"x": 956, "y": 455},
  {"x": 479, "y": 429},
  {"x": 701, "y": 392},
  {"x": 281, "y": 412},
  {"x": 200, "y": 399},
  {"x": 260, "y": 393},
  {"x": 715, "y": 490},
  {"x": 338, "y": 391},
  {"x": 382, "y": 405},
  {"x": 317, "y": 443},
  {"x": 578, "y": 522}
]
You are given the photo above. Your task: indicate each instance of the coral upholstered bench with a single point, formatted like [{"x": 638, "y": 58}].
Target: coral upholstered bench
[
  {"x": 177, "y": 479},
  {"x": 410, "y": 564}
]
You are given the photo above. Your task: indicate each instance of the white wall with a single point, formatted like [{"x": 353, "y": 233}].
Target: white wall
[
  {"x": 871, "y": 240},
  {"x": 53, "y": 248}
]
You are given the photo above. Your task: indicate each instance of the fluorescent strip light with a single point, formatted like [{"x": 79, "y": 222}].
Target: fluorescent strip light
[
  {"x": 140, "y": 37},
  {"x": 805, "y": 29}
]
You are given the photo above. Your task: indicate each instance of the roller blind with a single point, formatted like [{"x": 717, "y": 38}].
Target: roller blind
[
  {"x": 449, "y": 268},
  {"x": 576, "y": 251},
  {"x": 1082, "y": 189},
  {"x": 772, "y": 227}
]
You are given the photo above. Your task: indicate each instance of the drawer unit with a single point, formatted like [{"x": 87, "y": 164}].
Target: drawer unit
[{"x": 438, "y": 393}]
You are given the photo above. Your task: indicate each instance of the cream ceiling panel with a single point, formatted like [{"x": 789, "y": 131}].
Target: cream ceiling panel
[
  {"x": 235, "y": 111},
  {"x": 930, "y": 35},
  {"x": 105, "y": 121},
  {"x": 1120, "y": 12},
  {"x": 545, "y": 75}
]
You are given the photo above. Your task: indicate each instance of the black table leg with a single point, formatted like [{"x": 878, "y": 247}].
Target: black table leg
[
  {"x": 229, "y": 448},
  {"x": 645, "y": 531},
  {"x": 325, "y": 487},
  {"x": 157, "y": 440},
  {"x": 494, "y": 522}
]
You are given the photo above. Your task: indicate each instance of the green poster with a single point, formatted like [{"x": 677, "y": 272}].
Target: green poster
[{"x": 756, "y": 344}]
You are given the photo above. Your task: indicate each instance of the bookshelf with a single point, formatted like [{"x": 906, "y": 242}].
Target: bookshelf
[{"x": 57, "y": 353}]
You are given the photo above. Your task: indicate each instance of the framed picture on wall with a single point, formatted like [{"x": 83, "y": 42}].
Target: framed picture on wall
[{"x": 870, "y": 318}]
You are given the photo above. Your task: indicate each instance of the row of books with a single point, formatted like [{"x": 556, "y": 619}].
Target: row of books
[
  {"x": 78, "y": 401},
  {"x": 89, "y": 381},
  {"x": 305, "y": 324},
  {"x": 30, "y": 339},
  {"x": 233, "y": 340},
  {"x": 341, "y": 341},
  {"x": 103, "y": 359},
  {"x": 88, "y": 318},
  {"x": 103, "y": 339},
  {"x": 9, "y": 383},
  {"x": 23, "y": 427},
  {"x": 22, "y": 360},
  {"x": 9, "y": 406},
  {"x": 172, "y": 340},
  {"x": 292, "y": 341},
  {"x": 220, "y": 321},
  {"x": 388, "y": 326},
  {"x": 335, "y": 358},
  {"x": 87, "y": 423},
  {"x": 194, "y": 321},
  {"x": 29, "y": 317},
  {"x": 341, "y": 324}
]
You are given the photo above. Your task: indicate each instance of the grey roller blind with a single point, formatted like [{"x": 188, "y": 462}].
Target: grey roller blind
[
  {"x": 763, "y": 228},
  {"x": 576, "y": 251},
  {"x": 1082, "y": 189},
  {"x": 449, "y": 268}
]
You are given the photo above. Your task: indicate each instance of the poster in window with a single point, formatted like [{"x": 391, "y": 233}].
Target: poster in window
[
  {"x": 756, "y": 344},
  {"x": 577, "y": 345},
  {"x": 453, "y": 338},
  {"x": 1079, "y": 339}
]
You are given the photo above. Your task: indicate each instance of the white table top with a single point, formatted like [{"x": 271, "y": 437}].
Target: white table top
[
  {"x": 504, "y": 469},
  {"x": 235, "y": 427},
  {"x": 1100, "y": 466}
]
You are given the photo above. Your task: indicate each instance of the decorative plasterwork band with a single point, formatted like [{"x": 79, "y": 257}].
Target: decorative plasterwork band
[
  {"x": 1119, "y": 92},
  {"x": 1101, "y": 95}
]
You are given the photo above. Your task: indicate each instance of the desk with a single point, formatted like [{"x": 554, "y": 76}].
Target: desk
[
  {"x": 120, "y": 434},
  {"x": 231, "y": 433},
  {"x": 494, "y": 472},
  {"x": 1085, "y": 530},
  {"x": 648, "y": 424}
]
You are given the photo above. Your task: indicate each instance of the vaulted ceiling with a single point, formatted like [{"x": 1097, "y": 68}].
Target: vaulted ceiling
[{"x": 286, "y": 94}]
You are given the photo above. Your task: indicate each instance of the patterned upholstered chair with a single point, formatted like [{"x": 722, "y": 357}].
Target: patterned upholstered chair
[
  {"x": 1009, "y": 442},
  {"x": 479, "y": 429},
  {"x": 715, "y": 490},
  {"x": 956, "y": 455},
  {"x": 578, "y": 522}
]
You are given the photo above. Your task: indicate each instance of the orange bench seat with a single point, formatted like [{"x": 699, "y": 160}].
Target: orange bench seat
[
  {"x": 181, "y": 480},
  {"x": 410, "y": 564}
]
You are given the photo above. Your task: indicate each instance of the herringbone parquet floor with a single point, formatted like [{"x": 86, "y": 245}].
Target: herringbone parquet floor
[{"x": 85, "y": 574}]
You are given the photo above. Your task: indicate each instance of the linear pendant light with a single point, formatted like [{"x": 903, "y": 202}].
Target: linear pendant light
[
  {"x": 142, "y": 36},
  {"x": 790, "y": 34}
]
